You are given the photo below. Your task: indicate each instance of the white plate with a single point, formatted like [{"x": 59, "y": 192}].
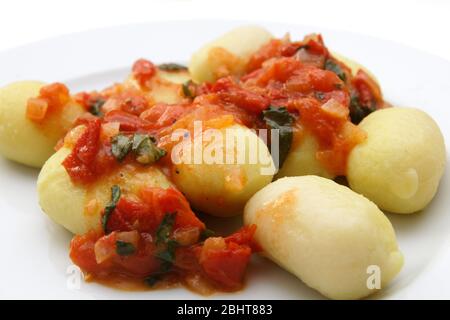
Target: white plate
[{"x": 34, "y": 251}]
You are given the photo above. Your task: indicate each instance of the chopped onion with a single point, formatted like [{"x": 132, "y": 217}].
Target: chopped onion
[
  {"x": 186, "y": 236},
  {"x": 103, "y": 250},
  {"x": 335, "y": 109},
  {"x": 131, "y": 237}
]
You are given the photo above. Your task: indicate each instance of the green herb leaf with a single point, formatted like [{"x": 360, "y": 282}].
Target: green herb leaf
[
  {"x": 358, "y": 111},
  {"x": 279, "y": 118},
  {"x": 168, "y": 255},
  {"x": 171, "y": 67},
  {"x": 207, "y": 233},
  {"x": 120, "y": 146},
  {"x": 188, "y": 90},
  {"x": 115, "y": 197},
  {"x": 145, "y": 149},
  {"x": 152, "y": 280},
  {"x": 331, "y": 65},
  {"x": 124, "y": 248},
  {"x": 165, "y": 228},
  {"x": 95, "y": 107}
]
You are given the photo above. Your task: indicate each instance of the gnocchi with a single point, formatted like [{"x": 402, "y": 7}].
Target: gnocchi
[
  {"x": 142, "y": 157},
  {"x": 227, "y": 54},
  {"x": 78, "y": 208},
  {"x": 23, "y": 140},
  {"x": 325, "y": 234},
  {"x": 302, "y": 160},
  {"x": 222, "y": 189},
  {"x": 400, "y": 164}
]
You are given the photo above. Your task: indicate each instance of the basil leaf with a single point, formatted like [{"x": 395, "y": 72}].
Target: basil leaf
[
  {"x": 115, "y": 197},
  {"x": 171, "y": 67},
  {"x": 187, "y": 89},
  {"x": 124, "y": 248},
  {"x": 153, "y": 279},
  {"x": 168, "y": 255},
  {"x": 95, "y": 107},
  {"x": 331, "y": 65},
  {"x": 145, "y": 149},
  {"x": 279, "y": 118},
  {"x": 207, "y": 233},
  {"x": 120, "y": 146},
  {"x": 165, "y": 228},
  {"x": 358, "y": 111}
]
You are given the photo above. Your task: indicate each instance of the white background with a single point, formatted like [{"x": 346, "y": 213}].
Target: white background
[{"x": 423, "y": 24}]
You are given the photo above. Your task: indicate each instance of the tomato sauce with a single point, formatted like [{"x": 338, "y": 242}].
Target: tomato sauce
[{"x": 154, "y": 236}]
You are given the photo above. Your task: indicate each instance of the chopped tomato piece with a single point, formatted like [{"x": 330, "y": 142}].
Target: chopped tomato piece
[
  {"x": 229, "y": 91},
  {"x": 164, "y": 115},
  {"x": 224, "y": 260},
  {"x": 56, "y": 94},
  {"x": 36, "y": 109},
  {"x": 128, "y": 122},
  {"x": 143, "y": 70},
  {"x": 369, "y": 91},
  {"x": 147, "y": 213},
  {"x": 79, "y": 163}
]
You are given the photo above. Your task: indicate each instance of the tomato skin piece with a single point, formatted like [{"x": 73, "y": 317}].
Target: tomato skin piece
[
  {"x": 82, "y": 252},
  {"x": 133, "y": 104},
  {"x": 56, "y": 94},
  {"x": 128, "y": 122},
  {"x": 229, "y": 91},
  {"x": 369, "y": 91},
  {"x": 161, "y": 115},
  {"x": 79, "y": 162},
  {"x": 244, "y": 236},
  {"x": 143, "y": 70},
  {"x": 146, "y": 215},
  {"x": 138, "y": 265},
  {"x": 52, "y": 98},
  {"x": 227, "y": 266},
  {"x": 168, "y": 201}
]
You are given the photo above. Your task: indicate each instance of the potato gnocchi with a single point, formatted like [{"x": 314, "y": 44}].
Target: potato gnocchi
[{"x": 254, "y": 125}]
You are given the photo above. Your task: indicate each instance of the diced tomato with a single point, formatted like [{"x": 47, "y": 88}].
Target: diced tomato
[
  {"x": 270, "y": 50},
  {"x": 171, "y": 200},
  {"x": 146, "y": 214},
  {"x": 369, "y": 91},
  {"x": 79, "y": 163},
  {"x": 134, "y": 104},
  {"x": 128, "y": 122},
  {"x": 36, "y": 109},
  {"x": 229, "y": 92},
  {"x": 82, "y": 251},
  {"x": 226, "y": 266},
  {"x": 138, "y": 265},
  {"x": 143, "y": 70},
  {"x": 52, "y": 98},
  {"x": 56, "y": 94},
  {"x": 315, "y": 44},
  {"x": 164, "y": 115},
  {"x": 244, "y": 236}
]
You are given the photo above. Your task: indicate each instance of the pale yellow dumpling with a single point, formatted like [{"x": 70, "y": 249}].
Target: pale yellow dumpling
[
  {"x": 302, "y": 159},
  {"x": 333, "y": 239},
  {"x": 79, "y": 209},
  {"x": 227, "y": 54},
  {"x": 23, "y": 140},
  {"x": 400, "y": 164},
  {"x": 218, "y": 186}
]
